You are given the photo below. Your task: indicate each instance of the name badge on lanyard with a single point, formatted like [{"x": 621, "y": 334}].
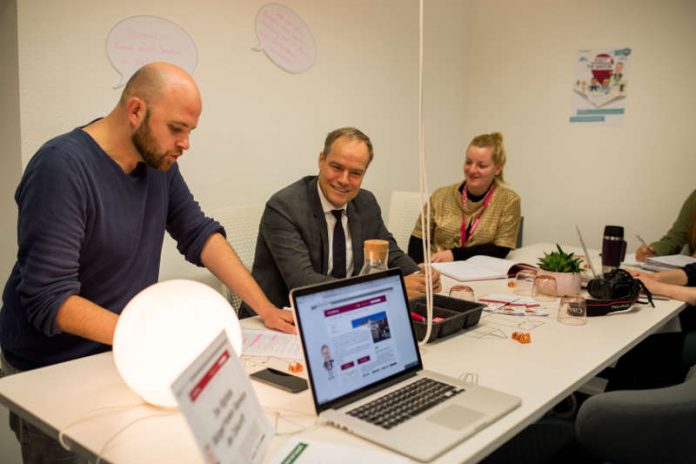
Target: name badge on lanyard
[{"x": 469, "y": 229}]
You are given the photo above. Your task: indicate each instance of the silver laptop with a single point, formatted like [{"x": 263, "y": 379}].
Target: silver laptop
[{"x": 366, "y": 373}]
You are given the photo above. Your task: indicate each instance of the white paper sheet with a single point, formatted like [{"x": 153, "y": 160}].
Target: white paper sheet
[
  {"x": 299, "y": 451},
  {"x": 270, "y": 343}
]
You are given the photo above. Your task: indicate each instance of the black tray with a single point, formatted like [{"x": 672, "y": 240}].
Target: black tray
[{"x": 458, "y": 314}]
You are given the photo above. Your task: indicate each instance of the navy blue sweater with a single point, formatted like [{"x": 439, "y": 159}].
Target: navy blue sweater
[{"x": 87, "y": 228}]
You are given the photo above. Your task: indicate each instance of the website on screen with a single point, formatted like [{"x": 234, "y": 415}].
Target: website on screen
[{"x": 356, "y": 336}]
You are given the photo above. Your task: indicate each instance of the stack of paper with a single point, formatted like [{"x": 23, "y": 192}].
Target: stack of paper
[
  {"x": 270, "y": 343},
  {"x": 671, "y": 261}
]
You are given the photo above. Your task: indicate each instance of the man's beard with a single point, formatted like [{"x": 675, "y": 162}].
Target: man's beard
[{"x": 146, "y": 145}]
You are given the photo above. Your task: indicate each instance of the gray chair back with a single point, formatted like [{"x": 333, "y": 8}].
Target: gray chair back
[{"x": 641, "y": 426}]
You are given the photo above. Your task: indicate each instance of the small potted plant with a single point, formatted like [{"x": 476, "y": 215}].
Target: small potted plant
[{"x": 565, "y": 268}]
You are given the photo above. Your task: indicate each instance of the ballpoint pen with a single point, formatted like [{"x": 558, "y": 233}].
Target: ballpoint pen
[{"x": 640, "y": 239}]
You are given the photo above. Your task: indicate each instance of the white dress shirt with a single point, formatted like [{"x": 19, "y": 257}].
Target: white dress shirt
[{"x": 327, "y": 207}]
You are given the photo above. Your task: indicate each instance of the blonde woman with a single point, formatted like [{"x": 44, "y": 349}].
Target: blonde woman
[{"x": 477, "y": 216}]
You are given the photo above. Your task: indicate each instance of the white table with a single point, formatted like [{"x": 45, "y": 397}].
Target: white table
[{"x": 87, "y": 399}]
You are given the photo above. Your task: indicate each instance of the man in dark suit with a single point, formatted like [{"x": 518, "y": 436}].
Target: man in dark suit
[{"x": 313, "y": 230}]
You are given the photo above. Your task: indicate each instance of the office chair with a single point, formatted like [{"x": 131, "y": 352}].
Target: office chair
[
  {"x": 641, "y": 426},
  {"x": 241, "y": 224},
  {"x": 404, "y": 208},
  {"x": 519, "y": 233}
]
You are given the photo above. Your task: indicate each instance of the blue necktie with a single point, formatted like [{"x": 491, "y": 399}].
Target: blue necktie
[{"x": 339, "y": 246}]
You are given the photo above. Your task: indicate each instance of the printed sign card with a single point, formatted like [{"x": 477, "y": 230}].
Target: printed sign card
[{"x": 220, "y": 405}]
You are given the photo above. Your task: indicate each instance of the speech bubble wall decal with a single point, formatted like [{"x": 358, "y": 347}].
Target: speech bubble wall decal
[
  {"x": 139, "y": 40},
  {"x": 285, "y": 38}
]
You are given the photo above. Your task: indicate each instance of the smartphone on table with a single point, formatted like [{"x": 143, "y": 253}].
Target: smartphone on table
[{"x": 279, "y": 379}]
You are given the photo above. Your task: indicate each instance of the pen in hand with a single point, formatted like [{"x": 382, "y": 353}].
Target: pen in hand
[{"x": 645, "y": 251}]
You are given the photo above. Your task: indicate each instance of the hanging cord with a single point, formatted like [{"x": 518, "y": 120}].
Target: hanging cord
[{"x": 425, "y": 197}]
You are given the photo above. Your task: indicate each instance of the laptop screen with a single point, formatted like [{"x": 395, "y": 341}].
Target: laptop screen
[{"x": 355, "y": 333}]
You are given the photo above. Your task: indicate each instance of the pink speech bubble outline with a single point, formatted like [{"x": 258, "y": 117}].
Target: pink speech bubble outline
[
  {"x": 138, "y": 40},
  {"x": 285, "y": 38}
]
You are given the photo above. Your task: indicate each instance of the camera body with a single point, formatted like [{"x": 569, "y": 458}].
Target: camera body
[
  {"x": 613, "y": 285},
  {"x": 616, "y": 290}
]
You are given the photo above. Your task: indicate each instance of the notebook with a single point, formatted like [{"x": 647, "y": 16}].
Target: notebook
[
  {"x": 481, "y": 267},
  {"x": 360, "y": 351}
]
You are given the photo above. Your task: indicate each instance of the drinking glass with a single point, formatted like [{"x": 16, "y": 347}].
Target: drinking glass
[
  {"x": 462, "y": 292},
  {"x": 524, "y": 282},
  {"x": 545, "y": 288},
  {"x": 572, "y": 310}
]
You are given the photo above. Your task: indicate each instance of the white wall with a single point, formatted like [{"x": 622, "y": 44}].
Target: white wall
[
  {"x": 261, "y": 128},
  {"x": 518, "y": 76},
  {"x": 490, "y": 65},
  {"x": 10, "y": 166},
  {"x": 10, "y": 160}
]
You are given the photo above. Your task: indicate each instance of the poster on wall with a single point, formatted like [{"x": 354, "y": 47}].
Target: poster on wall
[{"x": 600, "y": 86}]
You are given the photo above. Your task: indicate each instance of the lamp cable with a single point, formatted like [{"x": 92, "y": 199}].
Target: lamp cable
[
  {"x": 99, "y": 412},
  {"x": 423, "y": 187}
]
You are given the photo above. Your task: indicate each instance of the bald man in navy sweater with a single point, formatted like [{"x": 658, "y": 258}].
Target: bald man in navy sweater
[{"x": 93, "y": 208}]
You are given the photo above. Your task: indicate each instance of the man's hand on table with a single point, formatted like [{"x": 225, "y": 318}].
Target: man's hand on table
[{"x": 279, "y": 319}]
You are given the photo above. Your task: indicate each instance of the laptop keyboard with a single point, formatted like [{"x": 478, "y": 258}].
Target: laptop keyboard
[{"x": 405, "y": 403}]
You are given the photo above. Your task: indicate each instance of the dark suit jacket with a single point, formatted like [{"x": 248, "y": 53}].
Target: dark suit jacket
[{"x": 292, "y": 248}]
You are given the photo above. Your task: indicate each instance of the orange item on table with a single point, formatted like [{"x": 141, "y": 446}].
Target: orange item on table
[
  {"x": 295, "y": 367},
  {"x": 522, "y": 337}
]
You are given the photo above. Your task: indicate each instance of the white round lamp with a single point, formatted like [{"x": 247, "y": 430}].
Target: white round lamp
[{"x": 163, "y": 329}]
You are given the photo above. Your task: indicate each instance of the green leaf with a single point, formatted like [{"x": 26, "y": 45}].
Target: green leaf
[{"x": 560, "y": 261}]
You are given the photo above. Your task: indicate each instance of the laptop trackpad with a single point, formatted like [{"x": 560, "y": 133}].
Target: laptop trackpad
[{"x": 455, "y": 417}]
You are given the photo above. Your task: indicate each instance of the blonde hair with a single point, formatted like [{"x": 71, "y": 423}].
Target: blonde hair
[{"x": 494, "y": 141}]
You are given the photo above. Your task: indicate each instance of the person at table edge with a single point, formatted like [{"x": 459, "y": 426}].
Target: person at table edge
[{"x": 681, "y": 234}]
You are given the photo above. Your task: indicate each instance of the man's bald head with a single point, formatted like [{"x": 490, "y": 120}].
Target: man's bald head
[
  {"x": 159, "y": 108},
  {"x": 152, "y": 80}
]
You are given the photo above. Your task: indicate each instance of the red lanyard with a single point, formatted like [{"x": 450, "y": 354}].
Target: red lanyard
[{"x": 467, "y": 232}]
